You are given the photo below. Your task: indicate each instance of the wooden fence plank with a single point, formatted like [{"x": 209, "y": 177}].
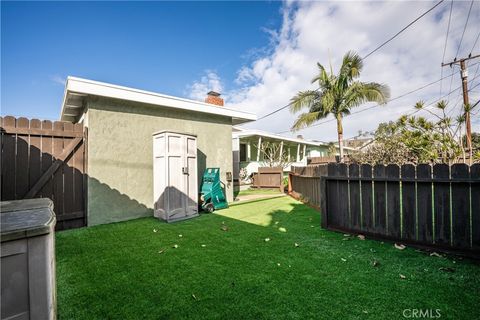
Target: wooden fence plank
[
  {"x": 393, "y": 201},
  {"x": 78, "y": 171},
  {"x": 460, "y": 206},
  {"x": 441, "y": 205},
  {"x": 475, "y": 192},
  {"x": 367, "y": 199},
  {"x": 47, "y": 159},
  {"x": 8, "y": 161},
  {"x": 35, "y": 159},
  {"x": 22, "y": 162},
  {"x": 68, "y": 175},
  {"x": 333, "y": 200},
  {"x": 424, "y": 204},
  {"x": 342, "y": 171},
  {"x": 355, "y": 203},
  {"x": 58, "y": 175},
  {"x": 409, "y": 213},
  {"x": 379, "y": 196}
]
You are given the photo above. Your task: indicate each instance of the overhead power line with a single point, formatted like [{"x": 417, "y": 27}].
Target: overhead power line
[
  {"x": 475, "y": 43},
  {"x": 405, "y": 28},
  {"x": 366, "y": 56},
  {"x": 464, "y": 28},
  {"x": 445, "y": 46}
]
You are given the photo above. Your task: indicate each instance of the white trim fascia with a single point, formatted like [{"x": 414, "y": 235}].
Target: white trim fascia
[
  {"x": 248, "y": 133},
  {"x": 254, "y": 132},
  {"x": 95, "y": 88}
]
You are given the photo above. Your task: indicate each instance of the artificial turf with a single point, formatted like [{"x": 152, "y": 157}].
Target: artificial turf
[{"x": 223, "y": 268}]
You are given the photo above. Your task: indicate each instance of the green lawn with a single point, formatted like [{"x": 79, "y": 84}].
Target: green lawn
[
  {"x": 116, "y": 271},
  {"x": 259, "y": 191}
]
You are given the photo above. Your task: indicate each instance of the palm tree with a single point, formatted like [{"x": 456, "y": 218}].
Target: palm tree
[{"x": 337, "y": 94}]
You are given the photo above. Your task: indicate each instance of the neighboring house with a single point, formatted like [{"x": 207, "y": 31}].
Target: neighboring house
[
  {"x": 358, "y": 142},
  {"x": 246, "y": 154},
  {"x": 120, "y": 122}
]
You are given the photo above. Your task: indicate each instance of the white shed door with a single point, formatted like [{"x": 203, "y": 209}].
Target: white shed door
[
  {"x": 191, "y": 175},
  {"x": 175, "y": 180},
  {"x": 182, "y": 175}
]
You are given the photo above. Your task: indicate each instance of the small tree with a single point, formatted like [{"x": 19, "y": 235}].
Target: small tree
[
  {"x": 273, "y": 154},
  {"x": 417, "y": 139}
]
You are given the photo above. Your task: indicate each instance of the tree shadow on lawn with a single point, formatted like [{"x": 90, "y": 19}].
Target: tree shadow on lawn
[{"x": 224, "y": 267}]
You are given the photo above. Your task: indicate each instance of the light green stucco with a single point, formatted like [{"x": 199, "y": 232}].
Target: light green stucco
[{"x": 120, "y": 168}]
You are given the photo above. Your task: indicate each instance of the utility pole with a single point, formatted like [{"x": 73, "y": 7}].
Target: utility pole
[{"x": 464, "y": 76}]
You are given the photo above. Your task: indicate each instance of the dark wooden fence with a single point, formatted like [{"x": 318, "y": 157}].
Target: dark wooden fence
[
  {"x": 436, "y": 206},
  {"x": 305, "y": 182},
  {"x": 45, "y": 159},
  {"x": 268, "y": 177},
  {"x": 321, "y": 160}
]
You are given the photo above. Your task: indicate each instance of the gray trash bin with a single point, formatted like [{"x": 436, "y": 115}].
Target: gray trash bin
[{"x": 28, "y": 259}]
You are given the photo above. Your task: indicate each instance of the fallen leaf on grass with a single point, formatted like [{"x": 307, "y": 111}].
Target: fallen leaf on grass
[
  {"x": 375, "y": 263},
  {"x": 154, "y": 230},
  {"x": 175, "y": 246},
  {"x": 194, "y": 297},
  {"x": 161, "y": 251},
  {"x": 399, "y": 246},
  {"x": 278, "y": 264},
  {"x": 282, "y": 229},
  {"x": 180, "y": 235},
  {"x": 276, "y": 222},
  {"x": 434, "y": 254},
  {"x": 224, "y": 228},
  {"x": 267, "y": 239},
  {"x": 344, "y": 260},
  {"x": 446, "y": 269},
  {"x": 297, "y": 245},
  {"x": 361, "y": 237},
  {"x": 204, "y": 245},
  {"x": 402, "y": 277},
  {"x": 346, "y": 235}
]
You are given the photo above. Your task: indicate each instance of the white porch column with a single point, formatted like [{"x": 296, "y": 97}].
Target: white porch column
[
  {"x": 288, "y": 154},
  {"x": 304, "y": 152},
  {"x": 298, "y": 153},
  {"x": 281, "y": 151},
  {"x": 259, "y": 148},
  {"x": 249, "y": 151},
  {"x": 236, "y": 157}
]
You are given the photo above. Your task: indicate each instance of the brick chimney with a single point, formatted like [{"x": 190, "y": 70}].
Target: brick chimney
[{"x": 214, "y": 98}]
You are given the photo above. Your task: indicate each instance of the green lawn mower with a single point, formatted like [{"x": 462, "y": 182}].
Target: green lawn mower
[{"x": 211, "y": 195}]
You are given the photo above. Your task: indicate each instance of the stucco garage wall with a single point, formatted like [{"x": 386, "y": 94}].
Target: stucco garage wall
[{"x": 120, "y": 164}]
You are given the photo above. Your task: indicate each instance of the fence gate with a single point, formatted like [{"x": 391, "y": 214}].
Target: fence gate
[{"x": 45, "y": 159}]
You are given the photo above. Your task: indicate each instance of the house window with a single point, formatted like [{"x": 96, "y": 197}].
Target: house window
[{"x": 243, "y": 152}]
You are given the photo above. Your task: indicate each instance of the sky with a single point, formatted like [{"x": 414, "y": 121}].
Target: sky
[{"x": 257, "y": 54}]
